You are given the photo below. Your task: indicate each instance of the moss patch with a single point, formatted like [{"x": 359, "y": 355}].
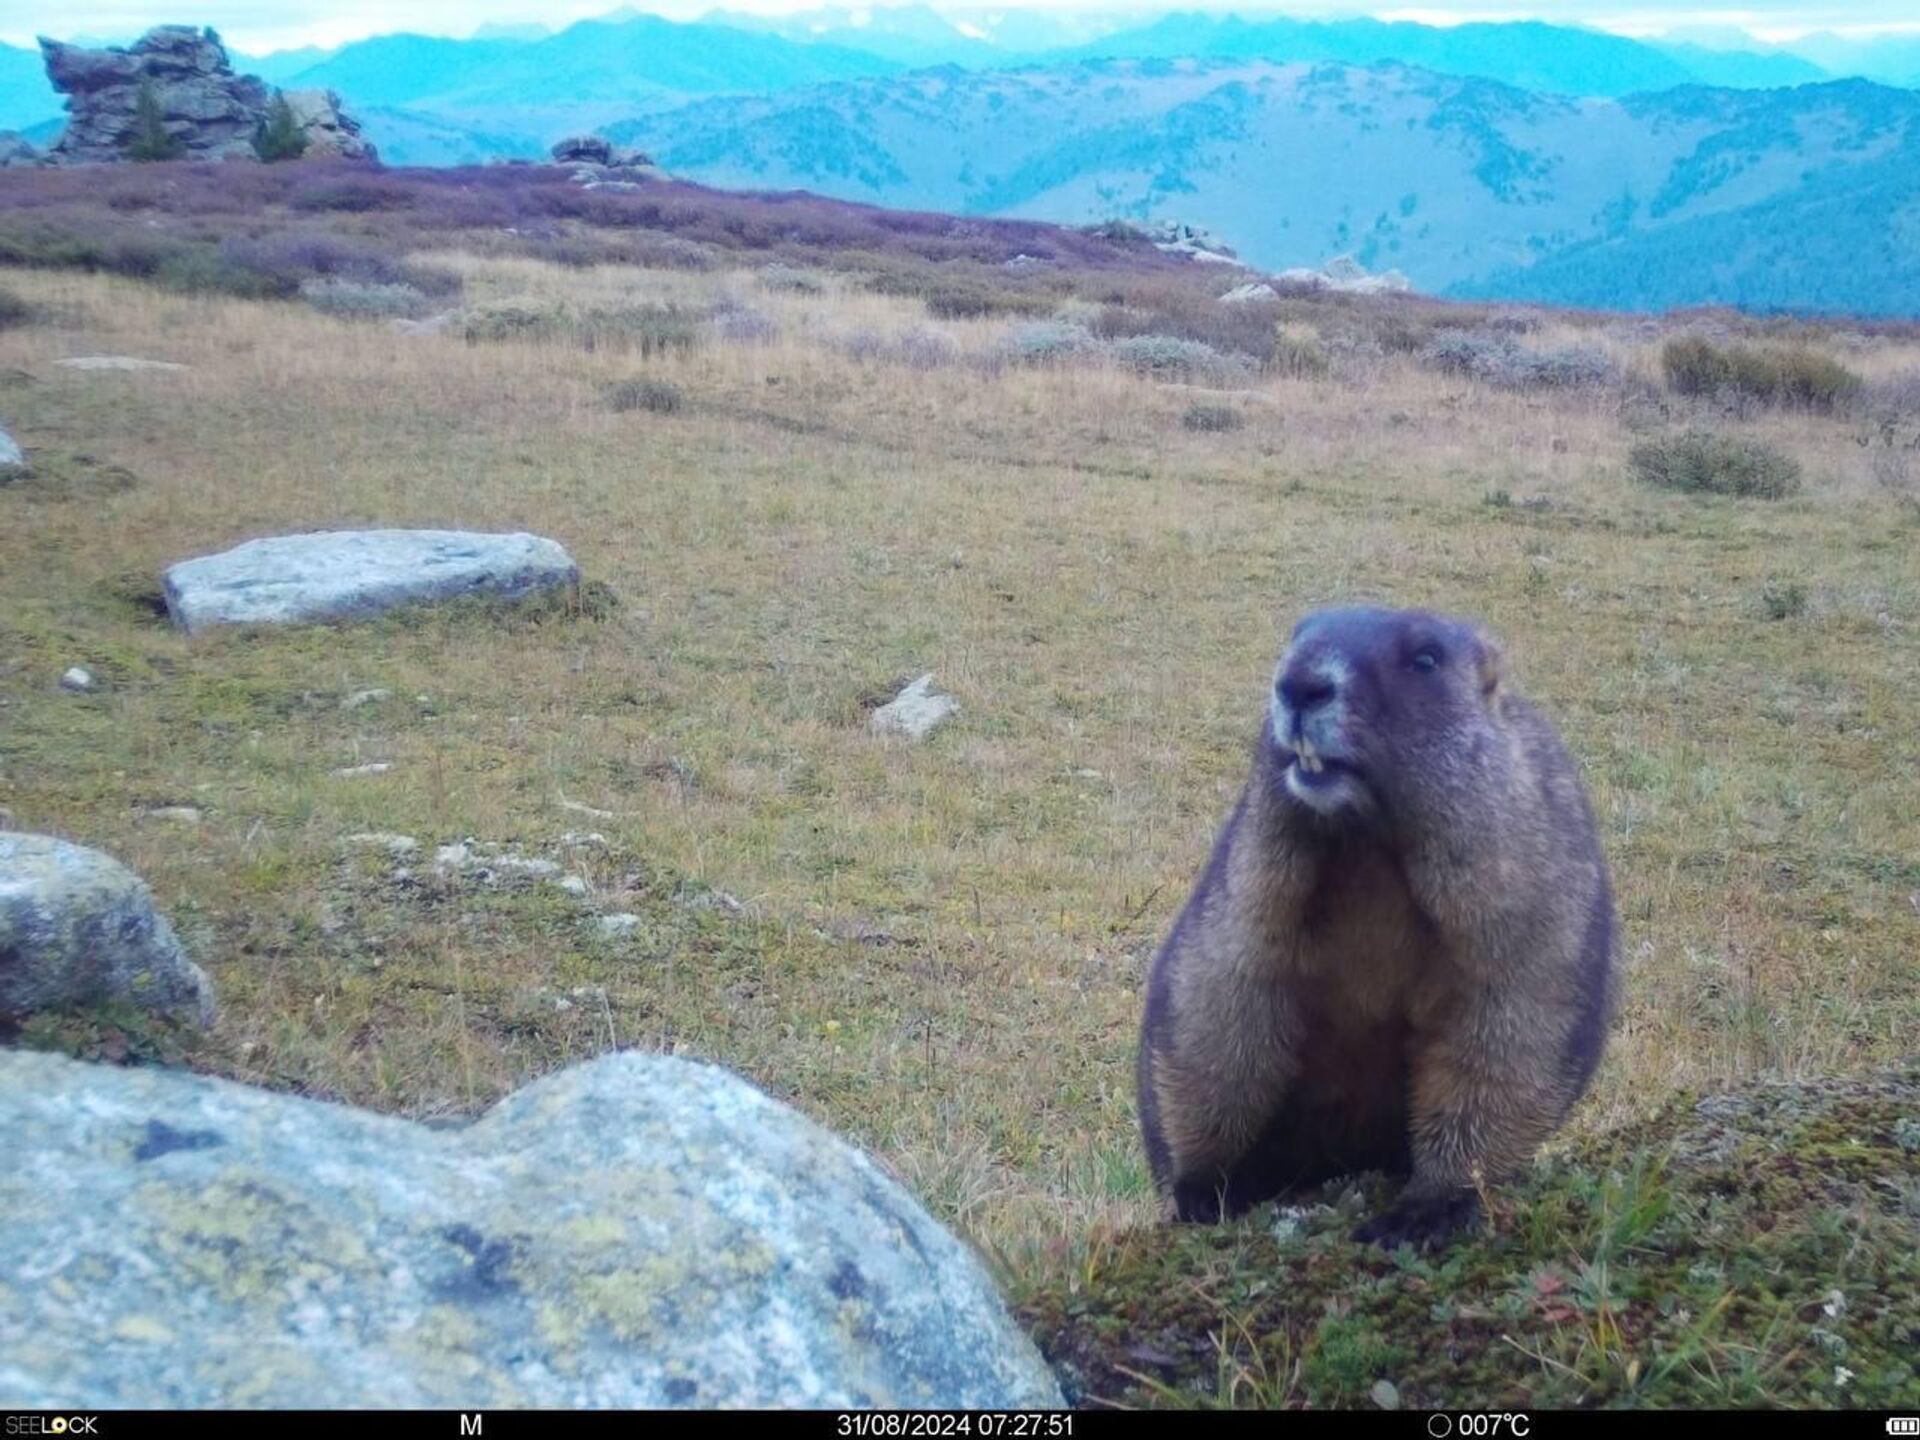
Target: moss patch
[{"x": 1747, "y": 1249}]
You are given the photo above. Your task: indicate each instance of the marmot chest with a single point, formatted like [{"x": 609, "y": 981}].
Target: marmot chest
[{"x": 1362, "y": 956}]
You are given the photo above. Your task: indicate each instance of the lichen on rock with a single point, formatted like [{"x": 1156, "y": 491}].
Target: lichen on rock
[{"x": 637, "y": 1231}]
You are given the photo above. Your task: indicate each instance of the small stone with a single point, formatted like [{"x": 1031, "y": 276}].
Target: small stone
[
  {"x": 574, "y": 885},
  {"x": 612, "y": 927},
  {"x": 1385, "y": 1394},
  {"x": 453, "y": 857},
  {"x": 185, "y": 814},
  {"x": 351, "y": 772},
  {"x": 78, "y": 680},
  {"x": 11, "y": 455},
  {"x": 915, "y": 711},
  {"x": 365, "y": 697}
]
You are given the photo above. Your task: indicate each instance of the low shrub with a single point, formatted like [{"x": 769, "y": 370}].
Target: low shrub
[
  {"x": 647, "y": 330},
  {"x": 1164, "y": 357},
  {"x": 1188, "y": 313},
  {"x": 13, "y": 310},
  {"x": 790, "y": 278},
  {"x": 362, "y": 300},
  {"x": 1791, "y": 376},
  {"x": 1212, "y": 418},
  {"x": 512, "y": 320},
  {"x": 1701, "y": 462},
  {"x": 1497, "y": 359},
  {"x": 41, "y": 246},
  {"x": 1299, "y": 353},
  {"x": 1893, "y": 397},
  {"x": 354, "y": 195},
  {"x": 656, "y": 397},
  {"x": 957, "y": 303},
  {"x": 288, "y": 258},
  {"x": 1048, "y": 342},
  {"x": 917, "y": 348},
  {"x": 1783, "y": 601},
  {"x": 206, "y": 271},
  {"x": 739, "y": 324}
]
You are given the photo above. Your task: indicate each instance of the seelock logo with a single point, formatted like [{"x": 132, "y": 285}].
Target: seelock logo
[{"x": 24, "y": 1425}]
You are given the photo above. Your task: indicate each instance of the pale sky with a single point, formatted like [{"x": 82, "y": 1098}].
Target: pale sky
[{"x": 257, "y": 26}]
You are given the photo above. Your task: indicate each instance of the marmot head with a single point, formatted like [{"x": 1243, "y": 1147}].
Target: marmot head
[{"x": 1375, "y": 712}]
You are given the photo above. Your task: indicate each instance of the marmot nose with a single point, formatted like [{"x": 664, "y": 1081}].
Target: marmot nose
[{"x": 1306, "y": 690}]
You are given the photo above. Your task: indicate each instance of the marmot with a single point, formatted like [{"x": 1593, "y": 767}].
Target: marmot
[{"x": 1401, "y": 953}]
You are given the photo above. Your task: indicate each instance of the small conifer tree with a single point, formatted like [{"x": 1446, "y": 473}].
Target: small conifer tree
[
  {"x": 150, "y": 140},
  {"x": 279, "y": 136}
]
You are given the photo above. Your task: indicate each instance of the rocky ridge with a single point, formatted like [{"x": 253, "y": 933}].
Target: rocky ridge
[{"x": 203, "y": 105}]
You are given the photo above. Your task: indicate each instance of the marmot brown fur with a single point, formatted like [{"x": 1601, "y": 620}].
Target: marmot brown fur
[{"x": 1400, "y": 955}]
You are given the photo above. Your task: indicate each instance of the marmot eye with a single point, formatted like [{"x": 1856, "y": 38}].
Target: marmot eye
[{"x": 1426, "y": 659}]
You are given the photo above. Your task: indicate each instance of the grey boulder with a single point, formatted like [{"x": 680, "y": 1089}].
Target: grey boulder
[
  {"x": 79, "y": 928},
  {"x": 11, "y": 456},
  {"x": 916, "y": 712},
  {"x": 357, "y": 574},
  {"x": 636, "y": 1231}
]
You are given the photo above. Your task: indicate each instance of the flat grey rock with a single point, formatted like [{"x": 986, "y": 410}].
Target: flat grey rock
[
  {"x": 637, "y": 1231},
  {"x": 915, "y": 711},
  {"x": 78, "y": 928},
  {"x": 357, "y": 574},
  {"x": 11, "y": 454}
]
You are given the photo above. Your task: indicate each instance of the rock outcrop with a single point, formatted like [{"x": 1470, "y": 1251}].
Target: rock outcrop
[
  {"x": 639, "y": 1231},
  {"x": 208, "y": 110},
  {"x": 1344, "y": 275},
  {"x": 78, "y": 928},
  {"x": 357, "y": 574},
  {"x": 598, "y": 150},
  {"x": 16, "y": 150},
  {"x": 582, "y": 150},
  {"x": 330, "y": 131}
]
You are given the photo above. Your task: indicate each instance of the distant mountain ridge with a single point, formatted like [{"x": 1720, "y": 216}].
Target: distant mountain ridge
[
  {"x": 1466, "y": 185},
  {"x": 1515, "y": 158},
  {"x": 589, "y": 61}
]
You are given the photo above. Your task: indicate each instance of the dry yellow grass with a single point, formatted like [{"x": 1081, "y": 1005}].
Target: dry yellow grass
[{"x": 944, "y": 943}]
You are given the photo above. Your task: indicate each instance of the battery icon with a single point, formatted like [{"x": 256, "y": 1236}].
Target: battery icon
[{"x": 1903, "y": 1425}]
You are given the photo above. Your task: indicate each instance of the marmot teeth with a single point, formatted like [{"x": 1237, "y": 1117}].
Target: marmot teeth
[{"x": 1308, "y": 756}]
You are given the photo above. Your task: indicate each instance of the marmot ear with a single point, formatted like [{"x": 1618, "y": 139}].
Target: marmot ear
[{"x": 1493, "y": 665}]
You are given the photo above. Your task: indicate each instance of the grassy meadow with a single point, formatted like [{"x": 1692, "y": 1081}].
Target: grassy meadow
[{"x": 936, "y": 949}]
